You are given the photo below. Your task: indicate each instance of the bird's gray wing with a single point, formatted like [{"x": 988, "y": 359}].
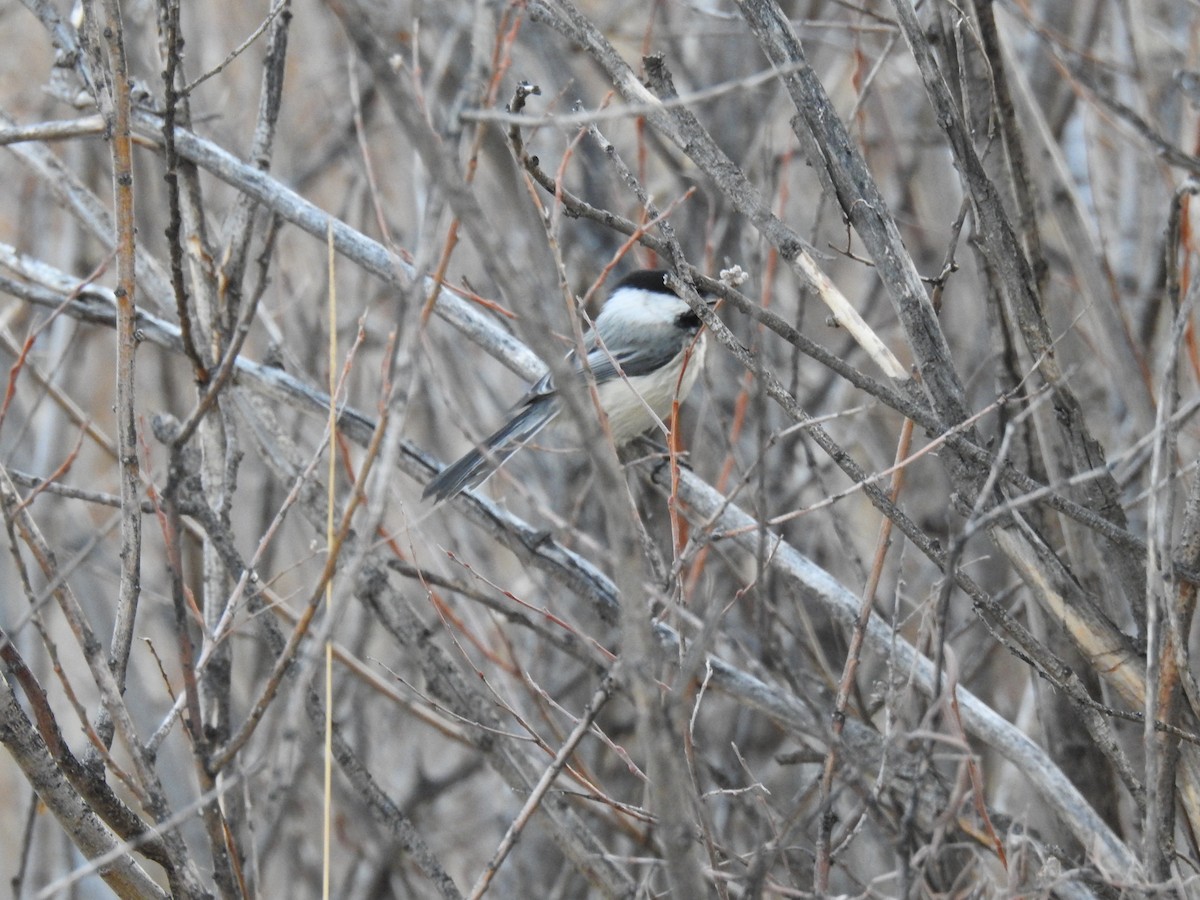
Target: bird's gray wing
[
  {"x": 637, "y": 356},
  {"x": 633, "y": 354}
]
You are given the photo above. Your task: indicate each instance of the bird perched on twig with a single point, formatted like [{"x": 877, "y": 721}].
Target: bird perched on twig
[{"x": 645, "y": 350}]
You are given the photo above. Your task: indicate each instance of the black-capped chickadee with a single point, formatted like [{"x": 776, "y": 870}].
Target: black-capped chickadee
[{"x": 645, "y": 350}]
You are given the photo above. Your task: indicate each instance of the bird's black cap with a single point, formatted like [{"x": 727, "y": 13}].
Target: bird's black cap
[
  {"x": 655, "y": 280},
  {"x": 646, "y": 280}
]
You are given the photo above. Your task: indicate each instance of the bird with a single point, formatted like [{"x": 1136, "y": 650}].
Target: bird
[{"x": 645, "y": 349}]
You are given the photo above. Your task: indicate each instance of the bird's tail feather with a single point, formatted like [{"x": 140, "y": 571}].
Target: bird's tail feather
[{"x": 479, "y": 464}]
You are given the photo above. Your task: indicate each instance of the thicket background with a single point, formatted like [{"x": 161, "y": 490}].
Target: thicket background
[{"x": 562, "y": 686}]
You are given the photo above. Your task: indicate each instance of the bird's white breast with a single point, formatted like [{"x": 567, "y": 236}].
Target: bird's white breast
[{"x": 628, "y": 402}]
